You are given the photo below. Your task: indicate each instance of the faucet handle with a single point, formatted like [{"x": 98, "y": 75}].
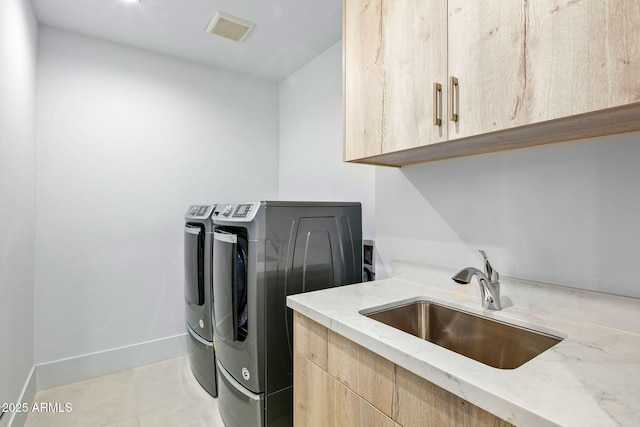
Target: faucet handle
[{"x": 488, "y": 270}]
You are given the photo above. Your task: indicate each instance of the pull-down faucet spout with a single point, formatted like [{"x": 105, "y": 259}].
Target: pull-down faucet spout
[{"x": 489, "y": 283}]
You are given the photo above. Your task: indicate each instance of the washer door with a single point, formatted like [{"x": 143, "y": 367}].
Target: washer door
[
  {"x": 230, "y": 286},
  {"x": 194, "y": 263}
]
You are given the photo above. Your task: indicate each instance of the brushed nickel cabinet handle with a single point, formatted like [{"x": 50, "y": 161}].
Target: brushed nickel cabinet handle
[
  {"x": 437, "y": 94},
  {"x": 452, "y": 99}
]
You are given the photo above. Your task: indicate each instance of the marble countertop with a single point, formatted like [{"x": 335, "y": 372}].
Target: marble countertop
[{"x": 591, "y": 378}]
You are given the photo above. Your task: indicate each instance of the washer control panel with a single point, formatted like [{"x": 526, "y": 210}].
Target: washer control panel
[
  {"x": 236, "y": 212},
  {"x": 199, "y": 211}
]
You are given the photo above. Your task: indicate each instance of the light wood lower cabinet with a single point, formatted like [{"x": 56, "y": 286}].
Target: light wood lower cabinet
[
  {"x": 339, "y": 383},
  {"x": 324, "y": 401}
]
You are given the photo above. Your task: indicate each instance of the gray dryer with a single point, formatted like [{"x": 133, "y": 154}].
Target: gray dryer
[{"x": 264, "y": 251}]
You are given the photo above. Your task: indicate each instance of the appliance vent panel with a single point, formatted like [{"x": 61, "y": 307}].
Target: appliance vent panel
[{"x": 229, "y": 27}]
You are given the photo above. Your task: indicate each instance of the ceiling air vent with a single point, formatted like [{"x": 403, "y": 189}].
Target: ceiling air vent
[{"x": 229, "y": 27}]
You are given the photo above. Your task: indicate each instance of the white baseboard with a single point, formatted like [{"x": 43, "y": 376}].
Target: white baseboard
[
  {"x": 26, "y": 396},
  {"x": 65, "y": 371}
]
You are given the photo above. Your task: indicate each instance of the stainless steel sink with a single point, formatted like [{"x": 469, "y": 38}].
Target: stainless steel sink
[{"x": 491, "y": 342}]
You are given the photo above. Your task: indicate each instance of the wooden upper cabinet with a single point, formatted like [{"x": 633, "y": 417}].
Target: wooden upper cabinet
[
  {"x": 487, "y": 55},
  {"x": 394, "y": 52},
  {"x": 582, "y": 56},
  {"x": 528, "y": 72},
  {"x": 525, "y": 62}
]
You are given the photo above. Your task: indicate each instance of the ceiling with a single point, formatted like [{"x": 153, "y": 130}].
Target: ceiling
[{"x": 287, "y": 35}]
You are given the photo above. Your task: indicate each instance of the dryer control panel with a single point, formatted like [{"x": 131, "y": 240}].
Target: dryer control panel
[{"x": 236, "y": 212}]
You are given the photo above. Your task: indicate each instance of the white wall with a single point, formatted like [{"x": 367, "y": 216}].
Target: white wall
[
  {"x": 126, "y": 140},
  {"x": 565, "y": 214},
  {"x": 18, "y": 37},
  {"x": 311, "y": 136}
]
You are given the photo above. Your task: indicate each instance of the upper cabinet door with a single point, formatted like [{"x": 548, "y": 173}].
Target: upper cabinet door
[
  {"x": 394, "y": 52},
  {"x": 487, "y": 56},
  {"x": 512, "y": 74},
  {"x": 529, "y": 61},
  {"x": 582, "y": 56}
]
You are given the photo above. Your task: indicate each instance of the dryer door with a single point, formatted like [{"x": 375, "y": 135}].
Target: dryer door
[{"x": 230, "y": 286}]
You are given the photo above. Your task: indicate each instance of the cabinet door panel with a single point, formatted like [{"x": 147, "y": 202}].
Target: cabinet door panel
[
  {"x": 583, "y": 55},
  {"x": 363, "y": 77},
  {"x": 321, "y": 400},
  {"x": 394, "y": 52},
  {"x": 415, "y": 53},
  {"x": 487, "y": 55}
]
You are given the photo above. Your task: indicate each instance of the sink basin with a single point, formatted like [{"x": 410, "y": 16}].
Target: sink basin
[{"x": 491, "y": 342}]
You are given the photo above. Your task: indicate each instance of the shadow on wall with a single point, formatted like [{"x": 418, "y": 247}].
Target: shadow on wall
[{"x": 562, "y": 213}]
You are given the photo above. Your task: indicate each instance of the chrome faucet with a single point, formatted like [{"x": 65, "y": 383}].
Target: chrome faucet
[{"x": 489, "y": 283}]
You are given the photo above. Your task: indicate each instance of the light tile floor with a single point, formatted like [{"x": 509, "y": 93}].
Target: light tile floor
[{"x": 156, "y": 395}]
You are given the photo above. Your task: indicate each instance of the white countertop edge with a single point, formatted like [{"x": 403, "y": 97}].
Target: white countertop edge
[{"x": 492, "y": 389}]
